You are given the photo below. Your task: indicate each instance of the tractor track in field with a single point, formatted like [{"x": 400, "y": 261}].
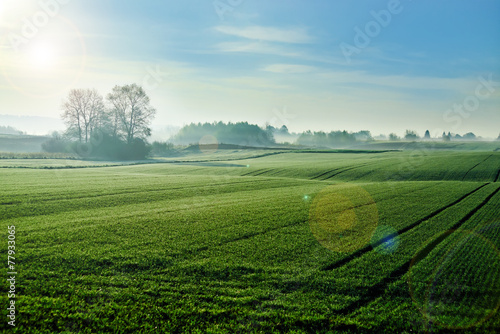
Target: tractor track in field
[
  {"x": 257, "y": 172},
  {"x": 118, "y": 205},
  {"x": 147, "y": 162},
  {"x": 345, "y": 170},
  {"x": 325, "y": 173},
  {"x": 243, "y": 237},
  {"x": 379, "y": 289},
  {"x": 274, "y": 171},
  {"x": 497, "y": 177},
  {"x": 465, "y": 175},
  {"x": 353, "y": 167},
  {"x": 264, "y": 172},
  {"x": 369, "y": 248},
  {"x": 254, "y": 234},
  {"x": 368, "y": 173},
  {"x": 126, "y": 192}
]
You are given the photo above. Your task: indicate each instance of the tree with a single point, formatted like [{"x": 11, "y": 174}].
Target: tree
[
  {"x": 131, "y": 112},
  {"x": 411, "y": 135},
  {"x": 284, "y": 130},
  {"x": 363, "y": 135},
  {"x": 470, "y": 136},
  {"x": 446, "y": 137},
  {"x": 427, "y": 135},
  {"x": 83, "y": 112},
  {"x": 56, "y": 143},
  {"x": 393, "y": 137}
]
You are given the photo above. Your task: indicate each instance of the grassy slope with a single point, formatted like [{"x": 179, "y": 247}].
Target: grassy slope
[{"x": 186, "y": 247}]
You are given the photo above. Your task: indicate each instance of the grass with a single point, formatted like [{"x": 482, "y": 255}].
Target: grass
[{"x": 296, "y": 242}]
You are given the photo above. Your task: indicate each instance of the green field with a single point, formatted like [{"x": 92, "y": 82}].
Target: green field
[{"x": 256, "y": 242}]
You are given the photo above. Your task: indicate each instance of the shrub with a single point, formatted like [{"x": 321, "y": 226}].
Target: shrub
[
  {"x": 55, "y": 145},
  {"x": 162, "y": 148}
]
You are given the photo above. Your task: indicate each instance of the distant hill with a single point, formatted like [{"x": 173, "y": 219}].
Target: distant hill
[
  {"x": 33, "y": 125},
  {"x": 9, "y": 130}
]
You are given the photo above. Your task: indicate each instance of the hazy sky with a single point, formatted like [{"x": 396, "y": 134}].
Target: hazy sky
[{"x": 384, "y": 66}]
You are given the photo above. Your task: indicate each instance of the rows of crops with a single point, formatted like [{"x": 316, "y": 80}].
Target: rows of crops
[{"x": 270, "y": 244}]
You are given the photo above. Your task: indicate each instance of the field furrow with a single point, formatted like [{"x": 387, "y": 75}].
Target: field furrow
[
  {"x": 476, "y": 165},
  {"x": 379, "y": 288},
  {"x": 369, "y": 248}
]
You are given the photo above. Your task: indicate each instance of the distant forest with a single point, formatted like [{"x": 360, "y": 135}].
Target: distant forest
[
  {"x": 245, "y": 134},
  {"x": 242, "y": 133}
]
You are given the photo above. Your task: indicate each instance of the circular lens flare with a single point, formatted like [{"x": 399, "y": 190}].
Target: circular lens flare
[
  {"x": 385, "y": 240},
  {"x": 343, "y": 217}
]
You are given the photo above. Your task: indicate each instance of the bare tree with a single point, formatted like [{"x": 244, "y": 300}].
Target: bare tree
[
  {"x": 131, "y": 112},
  {"x": 83, "y": 112}
]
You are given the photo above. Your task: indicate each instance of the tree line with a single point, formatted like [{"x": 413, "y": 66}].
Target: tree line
[
  {"x": 240, "y": 133},
  {"x": 245, "y": 134},
  {"x": 333, "y": 138}
]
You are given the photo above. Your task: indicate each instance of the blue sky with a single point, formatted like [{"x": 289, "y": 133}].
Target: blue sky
[{"x": 419, "y": 66}]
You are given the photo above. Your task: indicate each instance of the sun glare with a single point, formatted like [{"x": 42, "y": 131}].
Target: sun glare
[{"x": 42, "y": 56}]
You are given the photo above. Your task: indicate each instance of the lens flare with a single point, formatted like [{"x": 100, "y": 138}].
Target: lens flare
[
  {"x": 385, "y": 240},
  {"x": 42, "y": 56},
  {"x": 343, "y": 217}
]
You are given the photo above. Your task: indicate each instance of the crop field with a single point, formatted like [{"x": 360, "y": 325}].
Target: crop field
[{"x": 262, "y": 242}]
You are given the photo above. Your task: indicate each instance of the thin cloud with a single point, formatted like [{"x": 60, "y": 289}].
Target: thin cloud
[
  {"x": 252, "y": 83},
  {"x": 266, "y": 48},
  {"x": 459, "y": 85},
  {"x": 289, "y": 68},
  {"x": 255, "y": 47},
  {"x": 270, "y": 34}
]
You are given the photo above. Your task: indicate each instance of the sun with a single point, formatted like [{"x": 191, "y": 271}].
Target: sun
[{"x": 42, "y": 55}]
